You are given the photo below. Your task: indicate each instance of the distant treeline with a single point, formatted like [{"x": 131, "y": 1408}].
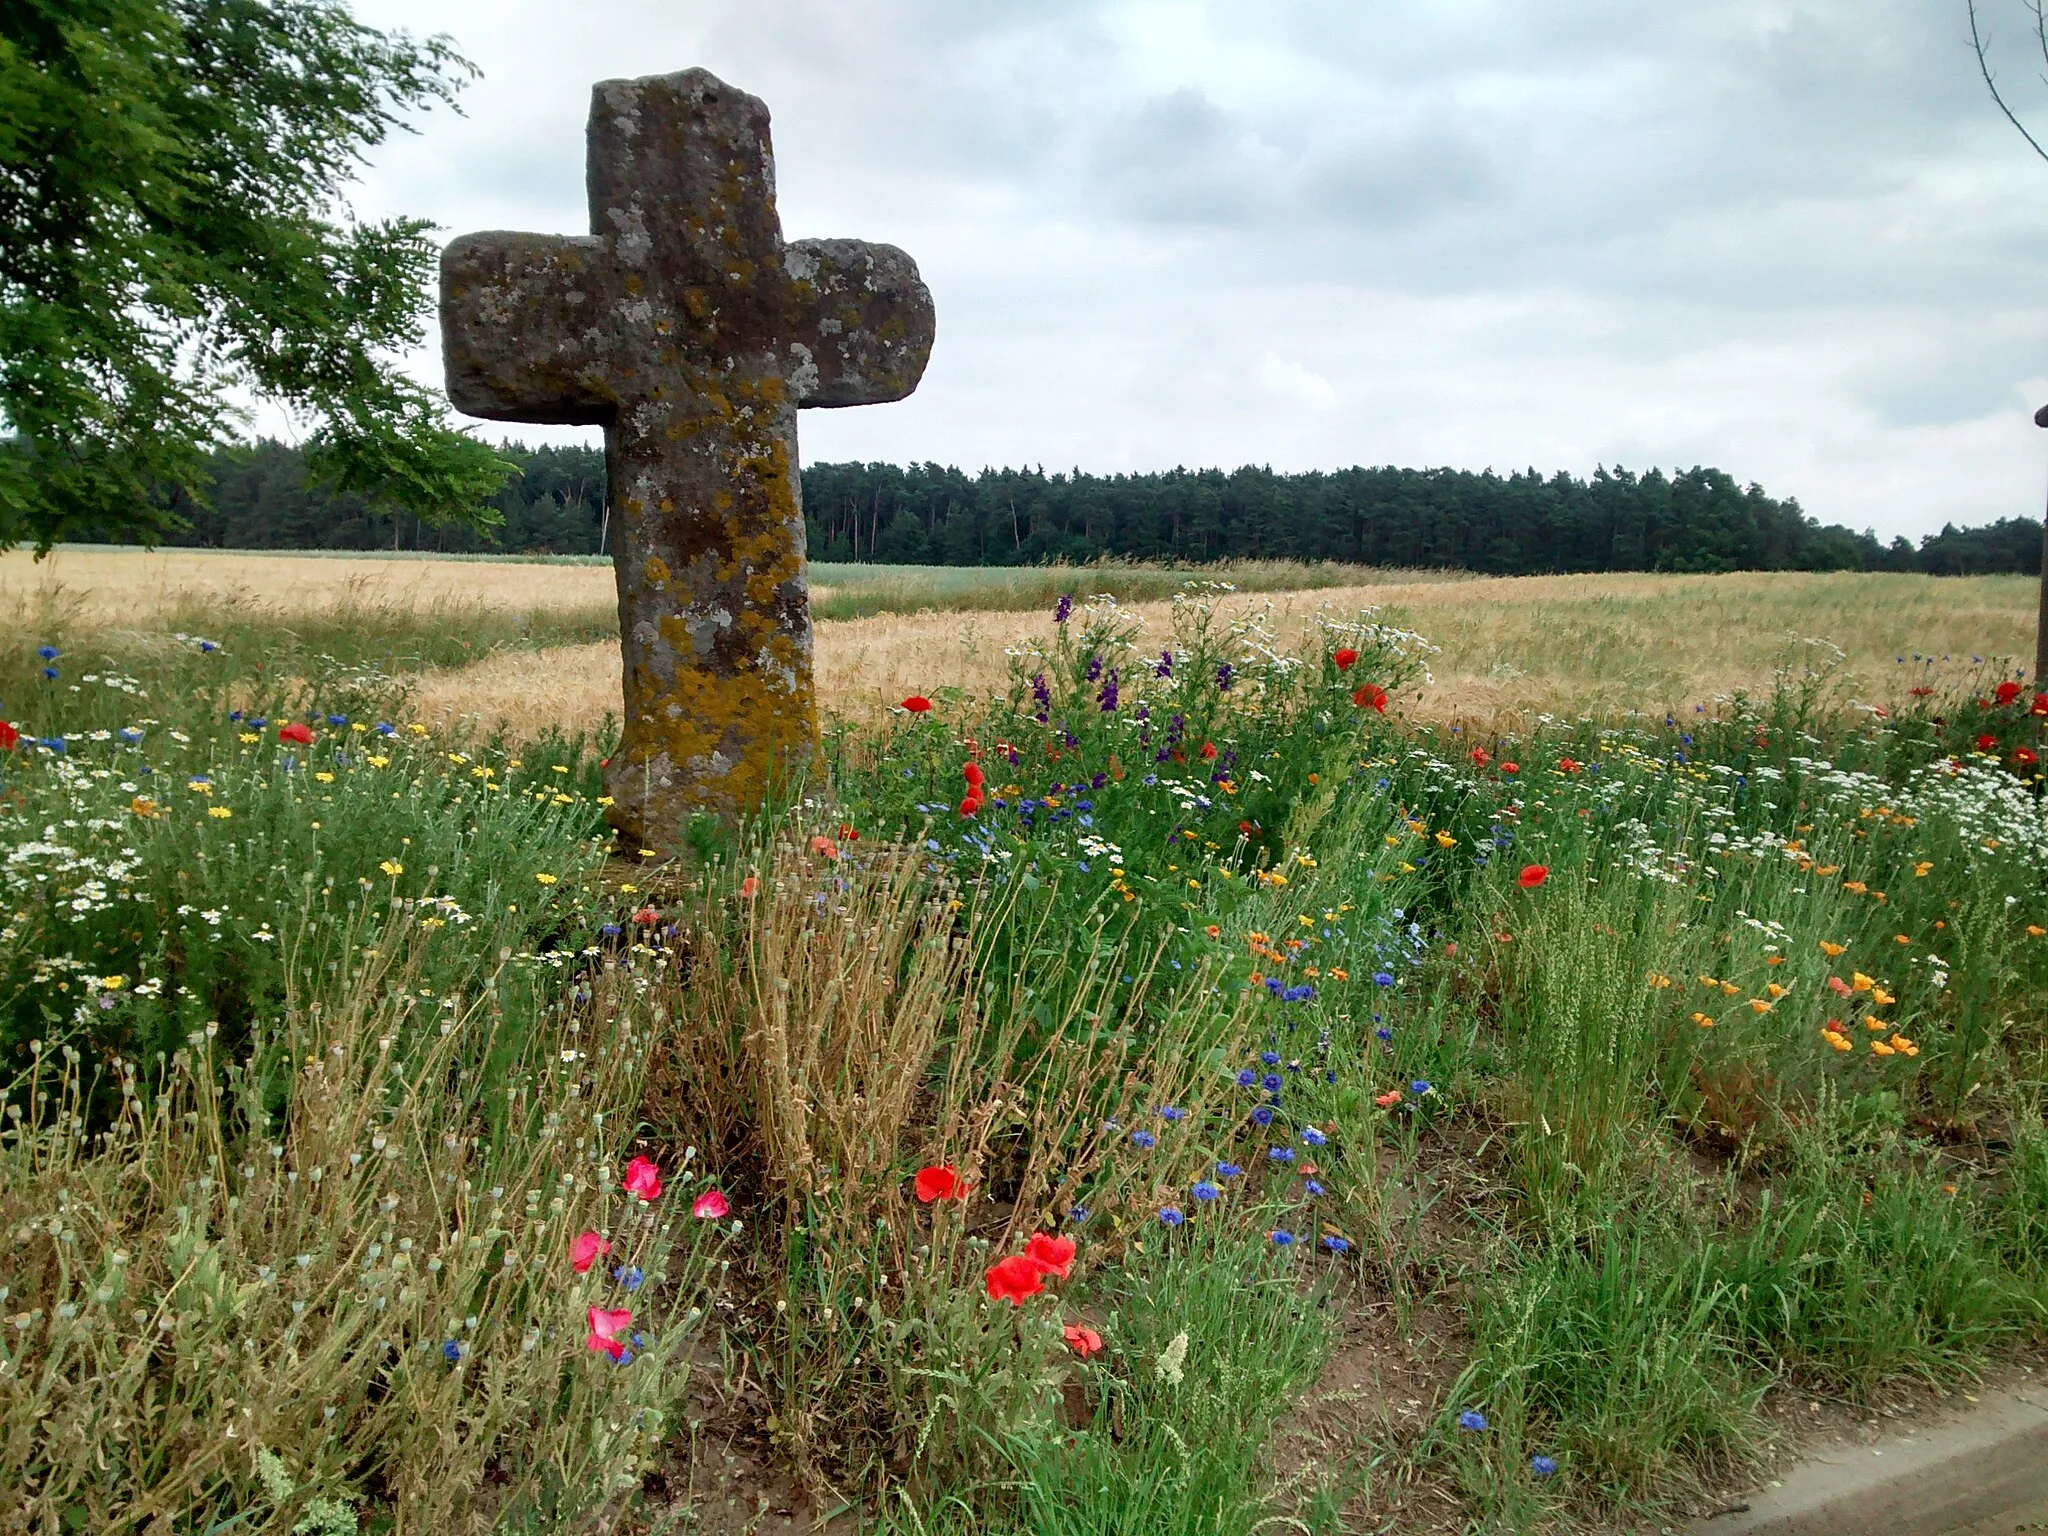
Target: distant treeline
[{"x": 1517, "y": 524}]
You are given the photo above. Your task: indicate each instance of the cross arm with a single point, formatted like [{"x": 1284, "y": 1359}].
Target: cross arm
[
  {"x": 522, "y": 333},
  {"x": 863, "y": 323}
]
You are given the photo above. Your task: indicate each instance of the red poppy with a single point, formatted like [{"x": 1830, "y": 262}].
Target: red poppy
[
  {"x": 1013, "y": 1280},
  {"x": 2006, "y": 691},
  {"x": 749, "y": 885},
  {"x": 9, "y": 736},
  {"x": 1922, "y": 692},
  {"x": 1481, "y": 757},
  {"x": 1344, "y": 658},
  {"x": 1568, "y": 765},
  {"x": 972, "y": 773},
  {"x": 1532, "y": 875},
  {"x": 1986, "y": 742},
  {"x": 824, "y": 847},
  {"x": 647, "y": 917},
  {"x": 1208, "y": 752},
  {"x": 1371, "y": 696},
  {"x": 1054, "y": 1255},
  {"x": 917, "y": 704},
  {"x": 2025, "y": 757},
  {"x": 1247, "y": 828},
  {"x": 971, "y": 806},
  {"x": 2040, "y": 704},
  {"x": 1082, "y": 1341},
  {"x": 300, "y": 735},
  {"x": 1507, "y": 767},
  {"x": 939, "y": 1181}
]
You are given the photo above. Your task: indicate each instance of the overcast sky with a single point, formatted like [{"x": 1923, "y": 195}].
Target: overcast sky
[{"x": 1790, "y": 239}]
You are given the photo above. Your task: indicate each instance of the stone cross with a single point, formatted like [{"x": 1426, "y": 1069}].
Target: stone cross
[{"x": 686, "y": 328}]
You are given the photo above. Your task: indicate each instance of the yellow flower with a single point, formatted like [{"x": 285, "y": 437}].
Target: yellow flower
[
  {"x": 199, "y": 786},
  {"x": 250, "y": 738},
  {"x": 560, "y": 767},
  {"x": 1882, "y": 998},
  {"x": 378, "y": 762},
  {"x": 1839, "y": 1042},
  {"x": 1659, "y": 980},
  {"x": 1445, "y": 840},
  {"x": 417, "y": 729},
  {"x": 1878, "y": 1047},
  {"x": 649, "y": 853},
  {"x": 323, "y": 778},
  {"x": 1876, "y": 1026},
  {"x": 1703, "y": 1021},
  {"x": 1831, "y": 950},
  {"x": 392, "y": 868},
  {"x": 1709, "y": 981},
  {"x": 1904, "y": 1046},
  {"x": 1858, "y": 982},
  {"x": 628, "y": 886},
  {"x": 601, "y": 799},
  {"x": 113, "y": 983},
  {"x": 1920, "y": 869},
  {"x": 545, "y": 879},
  {"x": 359, "y": 728},
  {"x": 144, "y": 807},
  {"x": 219, "y": 812}
]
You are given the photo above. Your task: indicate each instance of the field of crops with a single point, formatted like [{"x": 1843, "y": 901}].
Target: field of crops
[{"x": 1191, "y": 1066}]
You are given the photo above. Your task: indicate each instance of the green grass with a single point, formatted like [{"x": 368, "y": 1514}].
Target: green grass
[{"x": 1622, "y": 1134}]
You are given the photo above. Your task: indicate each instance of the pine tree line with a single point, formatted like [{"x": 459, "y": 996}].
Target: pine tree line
[{"x": 1518, "y": 524}]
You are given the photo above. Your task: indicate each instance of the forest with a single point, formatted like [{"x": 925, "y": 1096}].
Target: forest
[{"x": 924, "y": 514}]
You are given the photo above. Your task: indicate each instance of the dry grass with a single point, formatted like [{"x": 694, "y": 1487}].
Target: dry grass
[{"x": 1512, "y": 647}]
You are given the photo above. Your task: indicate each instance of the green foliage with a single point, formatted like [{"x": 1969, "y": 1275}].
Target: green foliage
[
  {"x": 932, "y": 516},
  {"x": 170, "y": 178}
]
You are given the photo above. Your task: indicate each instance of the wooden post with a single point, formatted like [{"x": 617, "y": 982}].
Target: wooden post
[{"x": 2041, "y": 627}]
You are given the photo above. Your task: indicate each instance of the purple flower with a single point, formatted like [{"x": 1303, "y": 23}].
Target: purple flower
[
  {"x": 1063, "y": 609},
  {"x": 1107, "y": 698},
  {"x": 1078, "y": 1214},
  {"x": 1383, "y": 978},
  {"x": 1223, "y": 677},
  {"x": 1165, "y": 667},
  {"x": 1094, "y": 668}
]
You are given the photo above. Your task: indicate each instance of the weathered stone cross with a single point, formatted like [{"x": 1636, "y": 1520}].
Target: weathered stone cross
[{"x": 686, "y": 328}]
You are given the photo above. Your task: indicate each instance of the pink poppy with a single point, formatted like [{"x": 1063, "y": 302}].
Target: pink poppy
[
  {"x": 585, "y": 1250},
  {"x": 710, "y": 1206},
  {"x": 605, "y": 1328},
  {"x": 643, "y": 1179}
]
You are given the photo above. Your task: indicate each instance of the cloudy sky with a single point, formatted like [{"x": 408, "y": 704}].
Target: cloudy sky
[{"x": 1791, "y": 239}]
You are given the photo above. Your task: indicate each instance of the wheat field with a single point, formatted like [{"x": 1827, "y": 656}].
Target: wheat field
[{"x": 1511, "y": 648}]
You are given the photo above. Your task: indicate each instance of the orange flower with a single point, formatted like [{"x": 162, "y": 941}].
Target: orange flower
[
  {"x": 824, "y": 847},
  {"x": 1083, "y": 1341}
]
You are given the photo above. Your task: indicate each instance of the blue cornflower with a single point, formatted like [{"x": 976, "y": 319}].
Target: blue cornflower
[
  {"x": 1335, "y": 1243},
  {"x": 234, "y": 714},
  {"x": 1270, "y": 1082},
  {"x": 1263, "y": 1115},
  {"x": 1419, "y": 1087},
  {"x": 1305, "y": 993},
  {"x": 611, "y": 930},
  {"x": 208, "y": 647},
  {"x": 1275, "y": 985},
  {"x": 337, "y": 719},
  {"x": 1247, "y": 1078},
  {"x": 53, "y": 744},
  {"x": 1313, "y": 1137},
  {"x": 1270, "y": 1058},
  {"x": 1228, "y": 1170},
  {"x": 1170, "y": 1216},
  {"x": 625, "y": 1357},
  {"x": 1204, "y": 1190},
  {"x": 1280, "y": 1154},
  {"x": 1078, "y": 1214},
  {"x": 1144, "y": 1139},
  {"x": 50, "y": 673},
  {"x": 452, "y": 1351},
  {"x": 1282, "y": 1238},
  {"x": 1383, "y": 978},
  {"x": 129, "y": 734},
  {"x": 1472, "y": 1419},
  {"x": 1383, "y": 1033},
  {"x": 48, "y": 652},
  {"x": 1171, "y": 1114},
  {"x": 1541, "y": 1466},
  {"x": 386, "y": 728},
  {"x": 257, "y": 722},
  {"x": 629, "y": 1276}
]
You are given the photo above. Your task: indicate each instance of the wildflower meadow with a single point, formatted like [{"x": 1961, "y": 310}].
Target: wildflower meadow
[{"x": 1008, "y": 1132}]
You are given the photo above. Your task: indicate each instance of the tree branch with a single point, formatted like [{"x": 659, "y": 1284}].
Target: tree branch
[{"x": 1977, "y": 43}]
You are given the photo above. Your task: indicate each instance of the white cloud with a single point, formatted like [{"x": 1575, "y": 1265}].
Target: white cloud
[{"x": 1791, "y": 239}]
